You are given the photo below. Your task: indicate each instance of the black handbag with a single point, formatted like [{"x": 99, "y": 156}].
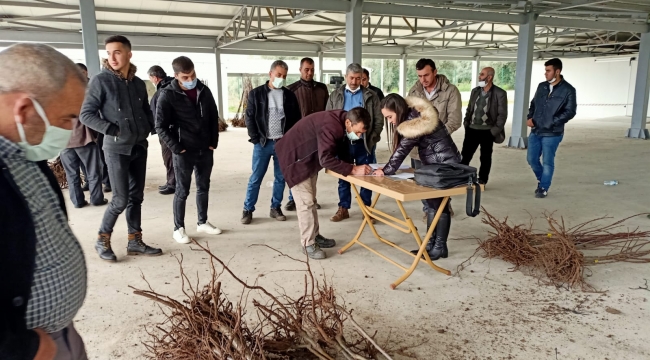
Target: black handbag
[{"x": 447, "y": 176}]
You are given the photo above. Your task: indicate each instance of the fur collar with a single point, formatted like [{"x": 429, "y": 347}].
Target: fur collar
[
  {"x": 132, "y": 70},
  {"x": 423, "y": 119}
]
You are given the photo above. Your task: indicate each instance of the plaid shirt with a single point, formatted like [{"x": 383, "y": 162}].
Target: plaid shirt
[{"x": 59, "y": 285}]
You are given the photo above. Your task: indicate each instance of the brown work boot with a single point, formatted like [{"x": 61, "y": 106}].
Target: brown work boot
[
  {"x": 340, "y": 215},
  {"x": 137, "y": 247},
  {"x": 103, "y": 247}
]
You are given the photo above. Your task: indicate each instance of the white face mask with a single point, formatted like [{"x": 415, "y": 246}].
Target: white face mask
[
  {"x": 278, "y": 82},
  {"x": 54, "y": 140},
  {"x": 482, "y": 84},
  {"x": 352, "y": 91}
]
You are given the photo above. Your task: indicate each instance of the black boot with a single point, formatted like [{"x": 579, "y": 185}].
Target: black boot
[
  {"x": 430, "y": 215},
  {"x": 103, "y": 247},
  {"x": 137, "y": 247},
  {"x": 442, "y": 233}
]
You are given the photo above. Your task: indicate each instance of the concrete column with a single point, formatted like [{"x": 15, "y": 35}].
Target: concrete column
[
  {"x": 353, "y": 32},
  {"x": 641, "y": 92},
  {"x": 476, "y": 69},
  {"x": 89, "y": 35},
  {"x": 402, "y": 76},
  {"x": 222, "y": 111},
  {"x": 321, "y": 76},
  {"x": 519, "y": 135}
]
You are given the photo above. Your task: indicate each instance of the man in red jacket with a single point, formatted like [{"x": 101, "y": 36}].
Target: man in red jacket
[{"x": 316, "y": 142}]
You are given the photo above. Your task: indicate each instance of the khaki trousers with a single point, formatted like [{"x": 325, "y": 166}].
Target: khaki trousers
[{"x": 304, "y": 194}]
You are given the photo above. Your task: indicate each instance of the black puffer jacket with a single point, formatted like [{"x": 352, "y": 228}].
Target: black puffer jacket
[
  {"x": 423, "y": 129},
  {"x": 186, "y": 126},
  {"x": 154, "y": 99}
]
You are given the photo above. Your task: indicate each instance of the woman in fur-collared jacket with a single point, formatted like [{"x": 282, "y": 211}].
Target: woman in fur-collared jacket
[{"x": 418, "y": 125}]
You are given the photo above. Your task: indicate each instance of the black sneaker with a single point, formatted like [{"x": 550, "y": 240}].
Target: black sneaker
[
  {"x": 538, "y": 187},
  {"x": 291, "y": 206},
  {"x": 102, "y": 203},
  {"x": 277, "y": 214},
  {"x": 103, "y": 247},
  {"x": 137, "y": 247},
  {"x": 161, "y": 187},
  {"x": 107, "y": 188},
  {"x": 246, "y": 217},
  {"x": 542, "y": 193},
  {"x": 324, "y": 242},
  {"x": 85, "y": 187},
  {"x": 167, "y": 191},
  {"x": 83, "y": 204}
]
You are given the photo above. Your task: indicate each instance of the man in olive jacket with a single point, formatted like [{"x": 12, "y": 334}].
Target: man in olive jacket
[
  {"x": 117, "y": 106},
  {"x": 362, "y": 150},
  {"x": 484, "y": 123}
]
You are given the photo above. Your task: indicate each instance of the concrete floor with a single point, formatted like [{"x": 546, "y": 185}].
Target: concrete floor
[{"x": 486, "y": 313}]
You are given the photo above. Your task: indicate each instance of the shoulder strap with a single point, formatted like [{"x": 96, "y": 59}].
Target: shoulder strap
[{"x": 471, "y": 185}]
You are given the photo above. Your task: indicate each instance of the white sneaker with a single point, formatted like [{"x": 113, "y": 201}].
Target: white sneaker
[
  {"x": 181, "y": 237},
  {"x": 208, "y": 228}
]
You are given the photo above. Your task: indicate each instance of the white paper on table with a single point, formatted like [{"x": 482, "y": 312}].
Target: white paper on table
[
  {"x": 381, "y": 166},
  {"x": 402, "y": 176}
]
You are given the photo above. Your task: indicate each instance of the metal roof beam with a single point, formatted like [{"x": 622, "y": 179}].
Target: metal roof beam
[
  {"x": 322, "y": 5},
  {"x": 592, "y": 25},
  {"x": 439, "y": 13}
]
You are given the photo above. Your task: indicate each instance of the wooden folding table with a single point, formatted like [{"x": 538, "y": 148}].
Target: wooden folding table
[{"x": 400, "y": 191}]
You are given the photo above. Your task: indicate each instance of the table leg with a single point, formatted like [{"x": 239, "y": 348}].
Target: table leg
[
  {"x": 366, "y": 219},
  {"x": 423, "y": 244}
]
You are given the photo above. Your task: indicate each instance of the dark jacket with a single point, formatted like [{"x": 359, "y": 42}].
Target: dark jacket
[
  {"x": 312, "y": 96},
  {"x": 119, "y": 108},
  {"x": 154, "y": 99},
  {"x": 551, "y": 110},
  {"x": 424, "y": 130},
  {"x": 371, "y": 103},
  {"x": 81, "y": 135},
  {"x": 380, "y": 94},
  {"x": 316, "y": 142},
  {"x": 497, "y": 112},
  {"x": 257, "y": 113},
  {"x": 17, "y": 262},
  {"x": 183, "y": 125}
]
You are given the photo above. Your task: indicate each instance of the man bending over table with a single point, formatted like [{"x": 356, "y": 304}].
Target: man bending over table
[{"x": 316, "y": 142}]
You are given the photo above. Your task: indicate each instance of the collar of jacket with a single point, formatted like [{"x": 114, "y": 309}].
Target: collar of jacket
[
  {"x": 132, "y": 70},
  {"x": 165, "y": 82},
  {"x": 426, "y": 123},
  {"x": 442, "y": 84},
  {"x": 174, "y": 85},
  {"x": 306, "y": 83}
]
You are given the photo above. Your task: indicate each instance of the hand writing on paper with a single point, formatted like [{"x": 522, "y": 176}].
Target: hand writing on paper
[
  {"x": 378, "y": 172},
  {"x": 360, "y": 170}
]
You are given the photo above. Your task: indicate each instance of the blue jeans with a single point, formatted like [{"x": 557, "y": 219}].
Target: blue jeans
[
  {"x": 360, "y": 155},
  {"x": 261, "y": 158},
  {"x": 543, "y": 146}
]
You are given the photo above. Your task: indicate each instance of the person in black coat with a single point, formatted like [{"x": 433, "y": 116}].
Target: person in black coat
[
  {"x": 159, "y": 78},
  {"x": 417, "y": 124},
  {"x": 188, "y": 107}
]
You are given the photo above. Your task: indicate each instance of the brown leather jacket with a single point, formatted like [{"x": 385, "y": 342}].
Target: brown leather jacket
[
  {"x": 82, "y": 135},
  {"x": 312, "y": 96}
]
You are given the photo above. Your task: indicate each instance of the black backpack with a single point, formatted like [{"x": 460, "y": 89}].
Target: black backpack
[{"x": 447, "y": 176}]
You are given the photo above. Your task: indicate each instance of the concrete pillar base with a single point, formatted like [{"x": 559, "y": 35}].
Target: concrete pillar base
[
  {"x": 642, "y": 134},
  {"x": 518, "y": 142}
]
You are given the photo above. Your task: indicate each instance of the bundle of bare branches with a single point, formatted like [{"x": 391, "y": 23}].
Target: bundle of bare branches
[
  {"x": 239, "y": 120},
  {"x": 59, "y": 172},
  {"x": 223, "y": 125},
  {"x": 560, "y": 255},
  {"x": 206, "y": 325}
]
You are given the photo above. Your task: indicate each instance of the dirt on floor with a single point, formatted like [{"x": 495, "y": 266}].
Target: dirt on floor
[{"x": 485, "y": 312}]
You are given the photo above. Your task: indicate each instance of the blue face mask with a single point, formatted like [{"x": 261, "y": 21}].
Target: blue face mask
[{"x": 189, "y": 85}]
